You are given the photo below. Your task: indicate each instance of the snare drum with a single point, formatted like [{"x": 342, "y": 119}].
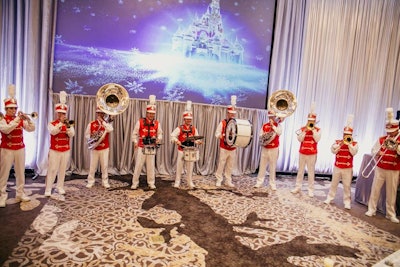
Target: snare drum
[
  {"x": 238, "y": 133},
  {"x": 149, "y": 150},
  {"x": 191, "y": 154}
]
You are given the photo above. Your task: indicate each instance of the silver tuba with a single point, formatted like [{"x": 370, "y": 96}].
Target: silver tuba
[
  {"x": 112, "y": 99},
  {"x": 283, "y": 103},
  {"x": 267, "y": 138}
]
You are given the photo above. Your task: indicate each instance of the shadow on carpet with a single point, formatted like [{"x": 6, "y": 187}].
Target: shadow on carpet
[{"x": 207, "y": 226}]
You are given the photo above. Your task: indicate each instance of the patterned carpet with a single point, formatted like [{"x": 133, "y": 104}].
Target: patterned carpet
[{"x": 206, "y": 226}]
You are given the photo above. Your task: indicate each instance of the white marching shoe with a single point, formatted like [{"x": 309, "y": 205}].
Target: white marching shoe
[
  {"x": 295, "y": 191},
  {"x": 23, "y": 198},
  {"x": 229, "y": 183},
  {"x": 106, "y": 185}
]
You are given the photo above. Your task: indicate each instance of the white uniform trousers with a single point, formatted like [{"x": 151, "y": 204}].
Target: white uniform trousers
[
  {"x": 226, "y": 158},
  {"x": 346, "y": 175},
  {"x": 179, "y": 168},
  {"x": 309, "y": 161},
  {"x": 8, "y": 158},
  {"x": 97, "y": 156},
  {"x": 391, "y": 177},
  {"x": 57, "y": 166},
  {"x": 150, "y": 162},
  {"x": 269, "y": 156}
]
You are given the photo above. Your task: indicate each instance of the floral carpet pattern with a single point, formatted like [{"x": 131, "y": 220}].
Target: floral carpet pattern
[{"x": 206, "y": 226}]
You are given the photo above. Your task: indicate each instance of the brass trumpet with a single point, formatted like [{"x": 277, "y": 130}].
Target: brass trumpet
[
  {"x": 310, "y": 126},
  {"x": 27, "y": 116},
  {"x": 347, "y": 139},
  {"x": 69, "y": 123}
]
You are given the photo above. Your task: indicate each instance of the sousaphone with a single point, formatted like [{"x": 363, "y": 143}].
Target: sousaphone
[
  {"x": 282, "y": 103},
  {"x": 112, "y": 99}
]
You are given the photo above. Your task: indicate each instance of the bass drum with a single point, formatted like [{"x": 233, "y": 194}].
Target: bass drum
[{"x": 238, "y": 133}]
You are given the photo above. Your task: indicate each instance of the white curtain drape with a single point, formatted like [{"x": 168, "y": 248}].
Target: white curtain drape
[
  {"x": 25, "y": 56},
  {"x": 342, "y": 54},
  {"x": 170, "y": 115}
]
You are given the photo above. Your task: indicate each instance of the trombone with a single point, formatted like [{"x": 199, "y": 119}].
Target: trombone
[{"x": 389, "y": 144}]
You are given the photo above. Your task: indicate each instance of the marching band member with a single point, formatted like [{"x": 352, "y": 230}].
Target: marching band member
[
  {"x": 180, "y": 136},
  {"x": 147, "y": 131},
  {"x": 12, "y": 147},
  {"x": 308, "y": 137},
  {"x": 60, "y": 133},
  {"x": 387, "y": 149},
  {"x": 227, "y": 153},
  {"x": 344, "y": 150},
  {"x": 97, "y": 133},
  {"x": 270, "y": 151}
]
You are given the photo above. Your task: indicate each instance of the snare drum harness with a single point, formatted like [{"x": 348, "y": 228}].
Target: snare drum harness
[
  {"x": 148, "y": 140},
  {"x": 189, "y": 132}
]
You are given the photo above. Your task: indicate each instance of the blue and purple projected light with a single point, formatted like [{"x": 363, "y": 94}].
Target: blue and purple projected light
[{"x": 198, "y": 50}]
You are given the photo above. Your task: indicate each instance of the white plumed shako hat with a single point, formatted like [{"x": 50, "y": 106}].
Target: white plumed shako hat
[
  {"x": 312, "y": 116},
  {"x": 62, "y": 107},
  {"x": 232, "y": 107},
  {"x": 392, "y": 124},
  {"x": 348, "y": 129},
  {"x": 11, "y": 102},
  {"x": 188, "y": 112},
  {"x": 151, "y": 107}
]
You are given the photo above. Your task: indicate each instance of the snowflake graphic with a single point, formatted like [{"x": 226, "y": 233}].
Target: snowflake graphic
[
  {"x": 94, "y": 70},
  {"x": 175, "y": 94},
  {"x": 59, "y": 66},
  {"x": 94, "y": 51},
  {"x": 135, "y": 87},
  {"x": 217, "y": 100},
  {"x": 73, "y": 87}
]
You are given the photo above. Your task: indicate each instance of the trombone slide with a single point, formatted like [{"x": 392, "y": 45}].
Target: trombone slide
[{"x": 369, "y": 168}]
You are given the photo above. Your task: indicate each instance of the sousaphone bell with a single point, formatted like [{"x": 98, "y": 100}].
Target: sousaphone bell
[
  {"x": 112, "y": 99},
  {"x": 283, "y": 103}
]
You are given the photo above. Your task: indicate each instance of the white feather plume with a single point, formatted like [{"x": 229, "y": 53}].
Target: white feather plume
[
  {"x": 233, "y": 100},
  {"x": 349, "y": 122},
  {"x": 11, "y": 90},
  {"x": 152, "y": 99},
  {"x": 189, "y": 105},
  {"x": 389, "y": 114},
  {"x": 312, "y": 108},
  {"x": 63, "y": 97}
]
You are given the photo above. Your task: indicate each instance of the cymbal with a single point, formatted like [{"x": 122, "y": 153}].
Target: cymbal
[{"x": 193, "y": 138}]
